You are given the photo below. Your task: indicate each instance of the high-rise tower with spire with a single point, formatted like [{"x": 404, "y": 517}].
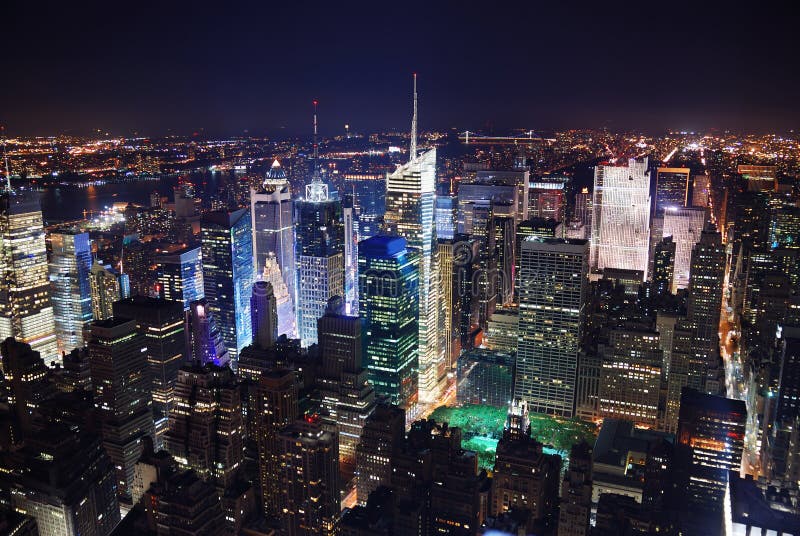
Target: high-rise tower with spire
[
  {"x": 319, "y": 249},
  {"x": 410, "y": 204}
]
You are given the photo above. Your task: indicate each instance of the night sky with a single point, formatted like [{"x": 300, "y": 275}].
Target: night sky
[{"x": 167, "y": 68}]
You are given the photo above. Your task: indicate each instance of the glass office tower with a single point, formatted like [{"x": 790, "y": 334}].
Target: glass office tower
[{"x": 70, "y": 262}]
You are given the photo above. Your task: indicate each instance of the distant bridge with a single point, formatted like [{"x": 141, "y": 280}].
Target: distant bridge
[{"x": 468, "y": 138}]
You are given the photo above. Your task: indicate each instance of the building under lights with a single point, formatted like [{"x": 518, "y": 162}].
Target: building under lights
[
  {"x": 271, "y": 210},
  {"x": 388, "y": 277},
  {"x": 410, "y": 208},
  {"x": 552, "y": 293},
  {"x": 621, "y": 217},
  {"x": 70, "y": 293},
  {"x": 180, "y": 276},
  {"x": 106, "y": 286},
  {"x": 320, "y": 254},
  {"x": 227, "y": 248},
  {"x": 25, "y": 309},
  {"x": 672, "y": 189},
  {"x": 684, "y": 225}
]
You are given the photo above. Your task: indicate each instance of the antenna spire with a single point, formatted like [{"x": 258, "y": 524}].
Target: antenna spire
[
  {"x": 413, "y": 151},
  {"x": 5, "y": 157},
  {"x": 316, "y": 147}
]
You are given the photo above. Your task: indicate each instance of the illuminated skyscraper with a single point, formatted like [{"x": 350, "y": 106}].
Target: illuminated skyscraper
[
  {"x": 25, "y": 309},
  {"x": 410, "y": 206},
  {"x": 309, "y": 502},
  {"x": 273, "y": 234},
  {"x": 672, "y": 188},
  {"x": 106, "y": 286},
  {"x": 350, "y": 255},
  {"x": 118, "y": 361},
  {"x": 705, "y": 288},
  {"x": 70, "y": 262},
  {"x": 664, "y": 266},
  {"x": 320, "y": 258},
  {"x": 205, "y": 426},
  {"x": 203, "y": 340},
  {"x": 684, "y": 225},
  {"x": 347, "y": 397},
  {"x": 162, "y": 324},
  {"x": 552, "y": 289},
  {"x": 631, "y": 376},
  {"x": 621, "y": 217},
  {"x": 227, "y": 245},
  {"x": 180, "y": 276},
  {"x": 283, "y": 302},
  {"x": 388, "y": 276}
]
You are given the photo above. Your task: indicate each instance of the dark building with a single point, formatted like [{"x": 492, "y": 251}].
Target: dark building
[
  {"x": 381, "y": 436},
  {"x": 65, "y": 481},
  {"x": 162, "y": 324},
  {"x": 663, "y": 266},
  {"x": 122, "y": 393},
  {"x": 182, "y": 504},
  {"x": 485, "y": 377},
  {"x": 309, "y": 501},
  {"x": 206, "y": 429},
  {"x": 524, "y": 477},
  {"x": 26, "y": 377},
  {"x": 710, "y": 439},
  {"x": 576, "y": 493}
]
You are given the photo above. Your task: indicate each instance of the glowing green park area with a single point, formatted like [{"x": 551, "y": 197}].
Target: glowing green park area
[{"x": 482, "y": 427}]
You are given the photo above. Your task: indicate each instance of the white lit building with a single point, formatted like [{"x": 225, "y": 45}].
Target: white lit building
[{"x": 684, "y": 225}]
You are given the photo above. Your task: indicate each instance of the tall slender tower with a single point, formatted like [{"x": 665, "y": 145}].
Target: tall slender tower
[
  {"x": 273, "y": 236},
  {"x": 410, "y": 206},
  {"x": 320, "y": 251},
  {"x": 70, "y": 262},
  {"x": 25, "y": 310}
]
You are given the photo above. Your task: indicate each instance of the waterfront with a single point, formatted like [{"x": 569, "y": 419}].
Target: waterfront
[{"x": 66, "y": 203}]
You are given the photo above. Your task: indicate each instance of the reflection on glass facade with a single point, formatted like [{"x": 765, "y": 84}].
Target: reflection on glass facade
[
  {"x": 70, "y": 262},
  {"x": 388, "y": 280},
  {"x": 25, "y": 310},
  {"x": 227, "y": 249},
  {"x": 180, "y": 276}
]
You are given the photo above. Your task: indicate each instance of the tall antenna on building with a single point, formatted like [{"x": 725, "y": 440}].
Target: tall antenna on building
[
  {"x": 316, "y": 191},
  {"x": 413, "y": 155},
  {"x": 316, "y": 146},
  {"x": 5, "y": 157}
]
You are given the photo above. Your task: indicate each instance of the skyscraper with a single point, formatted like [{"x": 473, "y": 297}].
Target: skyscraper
[
  {"x": 283, "y": 301},
  {"x": 106, "y": 286},
  {"x": 631, "y": 376},
  {"x": 388, "y": 279},
  {"x": 410, "y": 205},
  {"x": 347, "y": 397},
  {"x": 206, "y": 431},
  {"x": 70, "y": 255},
  {"x": 381, "y": 436},
  {"x": 162, "y": 324},
  {"x": 309, "y": 501},
  {"x": 25, "y": 376},
  {"x": 227, "y": 245},
  {"x": 274, "y": 234},
  {"x": 65, "y": 480},
  {"x": 263, "y": 315},
  {"x": 180, "y": 276},
  {"x": 684, "y": 225},
  {"x": 705, "y": 287},
  {"x": 672, "y": 189},
  {"x": 203, "y": 340},
  {"x": 25, "y": 309},
  {"x": 621, "y": 217},
  {"x": 276, "y": 408},
  {"x": 320, "y": 261},
  {"x": 663, "y": 266},
  {"x": 118, "y": 361},
  {"x": 576, "y": 493},
  {"x": 350, "y": 255},
  {"x": 552, "y": 290},
  {"x": 711, "y": 430}
]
